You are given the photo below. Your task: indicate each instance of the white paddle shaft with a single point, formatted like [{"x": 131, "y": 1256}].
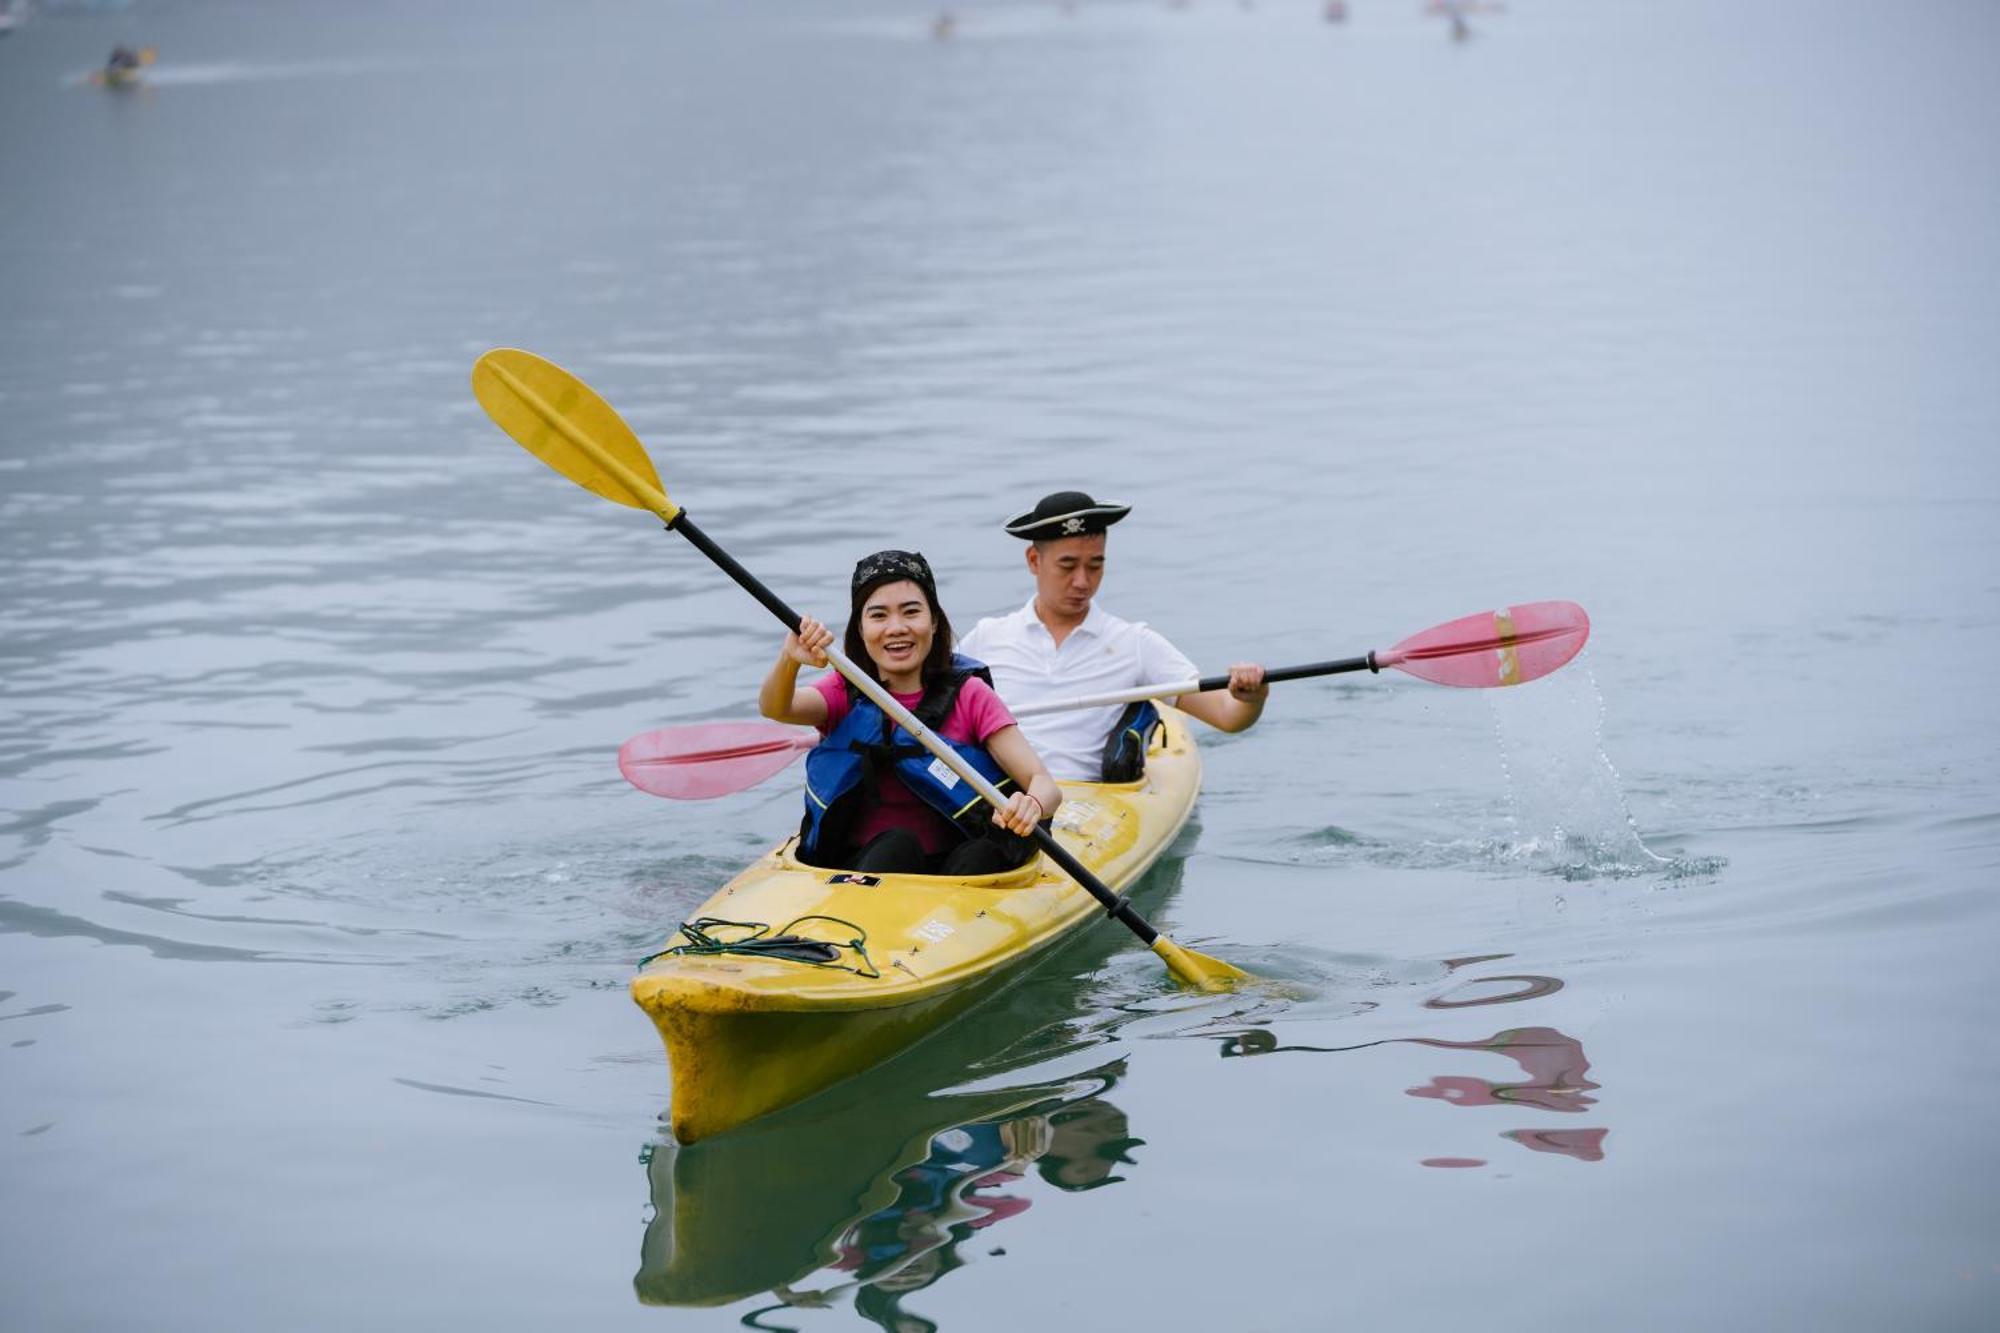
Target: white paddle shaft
[{"x": 1133, "y": 695}]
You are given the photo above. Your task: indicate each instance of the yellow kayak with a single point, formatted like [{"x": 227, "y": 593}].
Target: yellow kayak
[{"x": 887, "y": 958}]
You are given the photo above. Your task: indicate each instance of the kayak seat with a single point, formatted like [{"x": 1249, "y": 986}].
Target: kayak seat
[{"x": 1019, "y": 877}]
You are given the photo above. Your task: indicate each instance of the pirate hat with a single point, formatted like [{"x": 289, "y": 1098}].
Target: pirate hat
[{"x": 1065, "y": 514}]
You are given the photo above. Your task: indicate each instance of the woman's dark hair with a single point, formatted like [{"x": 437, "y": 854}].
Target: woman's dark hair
[{"x": 870, "y": 573}]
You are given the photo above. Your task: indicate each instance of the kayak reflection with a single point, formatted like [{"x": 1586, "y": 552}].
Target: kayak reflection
[
  {"x": 868, "y": 1206},
  {"x": 971, "y": 1179}
]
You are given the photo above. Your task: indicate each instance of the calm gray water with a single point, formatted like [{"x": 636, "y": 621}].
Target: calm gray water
[{"x": 1655, "y": 995}]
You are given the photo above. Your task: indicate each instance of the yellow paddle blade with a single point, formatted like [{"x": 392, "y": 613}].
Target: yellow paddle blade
[
  {"x": 148, "y": 54},
  {"x": 561, "y": 420},
  {"x": 1198, "y": 969}
]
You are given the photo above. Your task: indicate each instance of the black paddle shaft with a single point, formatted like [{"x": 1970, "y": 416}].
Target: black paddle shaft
[
  {"x": 726, "y": 562},
  {"x": 1272, "y": 677},
  {"x": 1114, "y": 904}
]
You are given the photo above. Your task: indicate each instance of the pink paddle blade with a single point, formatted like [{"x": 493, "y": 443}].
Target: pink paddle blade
[
  {"x": 1504, "y": 647},
  {"x": 708, "y": 759}
]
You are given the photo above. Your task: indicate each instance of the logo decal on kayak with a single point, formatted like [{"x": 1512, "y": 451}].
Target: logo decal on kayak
[
  {"x": 934, "y": 931},
  {"x": 1075, "y": 815}
]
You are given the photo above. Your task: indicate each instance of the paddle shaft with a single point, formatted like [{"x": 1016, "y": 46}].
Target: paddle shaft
[
  {"x": 1116, "y": 904},
  {"x": 1174, "y": 689},
  {"x": 1455, "y": 641},
  {"x": 1365, "y": 663}
]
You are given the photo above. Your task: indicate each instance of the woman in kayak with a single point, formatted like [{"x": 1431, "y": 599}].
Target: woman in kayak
[{"x": 876, "y": 801}]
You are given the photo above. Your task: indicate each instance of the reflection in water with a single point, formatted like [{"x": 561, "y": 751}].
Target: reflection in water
[
  {"x": 1555, "y": 1065},
  {"x": 1557, "y": 1070},
  {"x": 863, "y": 1205},
  {"x": 1527, "y": 988},
  {"x": 1586, "y": 1145},
  {"x": 1557, "y": 1080},
  {"x": 970, "y": 1180}
]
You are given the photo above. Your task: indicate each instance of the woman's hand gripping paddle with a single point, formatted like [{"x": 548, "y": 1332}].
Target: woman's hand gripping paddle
[{"x": 562, "y": 421}]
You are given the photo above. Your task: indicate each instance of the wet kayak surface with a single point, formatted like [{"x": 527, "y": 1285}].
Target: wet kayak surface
[{"x": 1650, "y": 995}]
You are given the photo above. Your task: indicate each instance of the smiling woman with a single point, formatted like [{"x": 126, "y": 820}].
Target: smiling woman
[{"x": 875, "y": 799}]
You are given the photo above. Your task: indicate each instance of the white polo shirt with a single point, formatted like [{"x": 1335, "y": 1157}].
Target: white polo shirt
[{"x": 1103, "y": 653}]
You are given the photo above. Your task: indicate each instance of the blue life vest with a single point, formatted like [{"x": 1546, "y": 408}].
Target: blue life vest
[
  {"x": 1125, "y": 748},
  {"x": 843, "y": 770}
]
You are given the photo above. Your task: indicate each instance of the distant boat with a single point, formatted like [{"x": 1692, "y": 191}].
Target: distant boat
[{"x": 124, "y": 69}]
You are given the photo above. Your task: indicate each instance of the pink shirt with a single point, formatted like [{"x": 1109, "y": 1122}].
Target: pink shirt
[{"x": 975, "y": 715}]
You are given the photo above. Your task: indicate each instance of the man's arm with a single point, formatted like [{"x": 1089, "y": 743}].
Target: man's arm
[{"x": 1233, "y": 709}]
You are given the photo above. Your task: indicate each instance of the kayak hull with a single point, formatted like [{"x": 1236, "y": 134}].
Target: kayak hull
[
  {"x": 746, "y": 1035},
  {"x": 729, "y": 1068}
]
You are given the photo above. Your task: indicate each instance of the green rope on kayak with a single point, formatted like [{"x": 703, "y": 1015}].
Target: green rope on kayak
[{"x": 757, "y": 941}]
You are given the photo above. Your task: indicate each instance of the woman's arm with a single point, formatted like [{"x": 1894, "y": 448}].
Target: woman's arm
[
  {"x": 1038, "y": 796},
  {"x": 783, "y": 699}
]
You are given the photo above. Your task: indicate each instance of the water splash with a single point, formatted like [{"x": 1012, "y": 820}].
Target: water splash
[{"x": 1566, "y": 808}]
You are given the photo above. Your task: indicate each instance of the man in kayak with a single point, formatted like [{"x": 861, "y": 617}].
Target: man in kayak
[{"x": 1061, "y": 646}]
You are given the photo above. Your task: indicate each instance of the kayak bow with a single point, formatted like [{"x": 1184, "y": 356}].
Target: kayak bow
[{"x": 885, "y": 959}]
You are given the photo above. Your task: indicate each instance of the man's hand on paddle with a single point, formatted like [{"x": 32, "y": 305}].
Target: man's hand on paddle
[
  {"x": 1246, "y": 682},
  {"x": 1233, "y": 709}
]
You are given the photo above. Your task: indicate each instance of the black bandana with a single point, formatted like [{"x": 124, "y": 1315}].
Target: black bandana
[{"x": 887, "y": 567}]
